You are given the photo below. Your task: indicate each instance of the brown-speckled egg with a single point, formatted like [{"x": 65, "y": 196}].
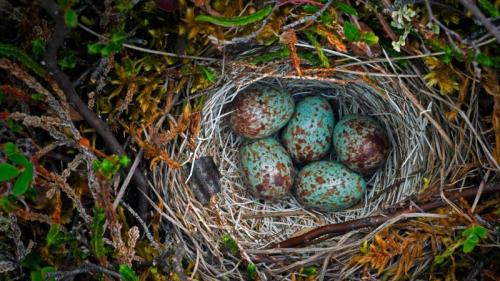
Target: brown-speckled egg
[
  {"x": 328, "y": 186},
  {"x": 308, "y": 135},
  {"x": 267, "y": 169},
  {"x": 361, "y": 143},
  {"x": 260, "y": 111}
]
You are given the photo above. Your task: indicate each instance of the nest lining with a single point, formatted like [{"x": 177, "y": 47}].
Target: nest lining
[{"x": 418, "y": 151}]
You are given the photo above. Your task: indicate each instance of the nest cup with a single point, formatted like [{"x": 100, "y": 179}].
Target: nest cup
[{"x": 420, "y": 152}]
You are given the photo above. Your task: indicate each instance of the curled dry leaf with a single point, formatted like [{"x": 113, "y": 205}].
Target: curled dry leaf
[{"x": 290, "y": 38}]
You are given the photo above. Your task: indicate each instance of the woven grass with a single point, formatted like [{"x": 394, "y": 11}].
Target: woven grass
[{"x": 425, "y": 147}]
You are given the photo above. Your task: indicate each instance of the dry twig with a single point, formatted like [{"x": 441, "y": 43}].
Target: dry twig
[
  {"x": 50, "y": 58},
  {"x": 341, "y": 228}
]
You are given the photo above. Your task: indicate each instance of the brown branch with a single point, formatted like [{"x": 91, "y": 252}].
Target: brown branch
[
  {"x": 314, "y": 236},
  {"x": 493, "y": 30},
  {"x": 50, "y": 58}
]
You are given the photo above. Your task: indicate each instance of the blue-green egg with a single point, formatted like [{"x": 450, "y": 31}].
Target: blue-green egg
[
  {"x": 267, "y": 169},
  {"x": 260, "y": 111},
  {"x": 308, "y": 134},
  {"x": 328, "y": 186},
  {"x": 361, "y": 143}
]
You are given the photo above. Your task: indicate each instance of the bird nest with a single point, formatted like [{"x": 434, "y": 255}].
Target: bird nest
[{"x": 425, "y": 148}]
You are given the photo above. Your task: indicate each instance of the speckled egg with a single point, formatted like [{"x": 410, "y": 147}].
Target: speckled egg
[
  {"x": 308, "y": 135},
  {"x": 329, "y": 186},
  {"x": 267, "y": 169},
  {"x": 260, "y": 111},
  {"x": 361, "y": 143}
]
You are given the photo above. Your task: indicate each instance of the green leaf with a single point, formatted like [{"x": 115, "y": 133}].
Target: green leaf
[
  {"x": 469, "y": 246},
  {"x": 95, "y": 48},
  {"x": 109, "y": 49},
  {"x": 439, "y": 259},
  {"x": 2, "y": 97},
  {"x": 8, "y": 172},
  {"x": 119, "y": 37},
  {"x": 270, "y": 56},
  {"x": 23, "y": 181},
  {"x": 480, "y": 231},
  {"x": 310, "y": 8},
  {"x": 20, "y": 159},
  {"x": 68, "y": 62},
  {"x": 311, "y": 37},
  {"x": 36, "y": 276},
  {"x": 71, "y": 18},
  {"x": 208, "y": 73},
  {"x": 252, "y": 271},
  {"x": 326, "y": 18},
  {"x": 369, "y": 38},
  {"x": 124, "y": 161},
  {"x": 351, "y": 32},
  {"x": 15, "y": 53},
  {"x": 14, "y": 126},
  {"x": 310, "y": 271},
  {"x": 468, "y": 232},
  {"x": 9, "y": 148},
  {"x": 484, "y": 60},
  {"x": 230, "y": 244},
  {"x": 46, "y": 270},
  {"x": 38, "y": 47},
  {"x": 56, "y": 237},
  {"x": 97, "y": 233},
  {"x": 38, "y": 96},
  {"x": 237, "y": 21},
  {"x": 127, "y": 273},
  {"x": 489, "y": 7},
  {"x": 347, "y": 9},
  {"x": 41, "y": 274},
  {"x": 6, "y": 205}
]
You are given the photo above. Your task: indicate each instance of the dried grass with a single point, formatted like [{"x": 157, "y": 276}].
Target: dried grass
[{"x": 424, "y": 145}]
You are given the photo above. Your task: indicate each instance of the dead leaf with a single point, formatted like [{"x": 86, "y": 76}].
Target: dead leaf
[{"x": 290, "y": 38}]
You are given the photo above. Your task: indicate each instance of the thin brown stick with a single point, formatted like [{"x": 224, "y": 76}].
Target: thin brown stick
[
  {"x": 315, "y": 235},
  {"x": 50, "y": 58}
]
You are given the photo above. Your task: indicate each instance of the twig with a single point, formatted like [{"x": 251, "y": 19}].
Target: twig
[
  {"x": 493, "y": 30},
  {"x": 148, "y": 234},
  {"x": 341, "y": 228},
  {"x": 145, "y": 50},
  {"x": 50, "y": 58},
  {"x": 84, "y": 268},
  {"x": 125, "y": 183},
  {"x": 309, "y": 18}
]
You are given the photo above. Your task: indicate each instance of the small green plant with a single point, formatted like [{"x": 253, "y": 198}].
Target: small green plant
[
  {"x": 230, "y": 244},
  {"x": 109, "y": 166},
  {"x": 353, "y": 34},
  {"x": 114, "y": 45},
  {"x": 237, "y": 21},
  {"x": 70, "y": 15},
  {"x": 310, "y": 271},
  {"x": 41, "y": 274},
  {"x": 127, "y": 273},
  {"x": 208, "y": 73},
  {"x": 252, "y": 271},
  {"x": 13, "y": 52},
  {"x": 68, "y": 61},
  {"x": 38, "y": 47},
  {"x": 20, "y": 169},
  {"x": 56, "y": 236},
  {"x": 97, "y": 233},
  {"x": 470, "y": 238}
]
